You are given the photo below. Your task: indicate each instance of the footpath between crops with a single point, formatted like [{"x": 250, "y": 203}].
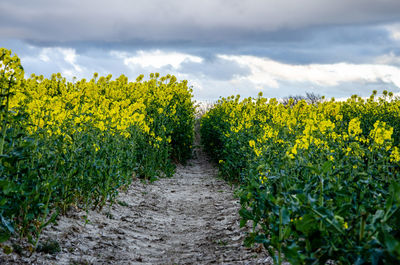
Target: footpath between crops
[{"x": 191, "y": 218}]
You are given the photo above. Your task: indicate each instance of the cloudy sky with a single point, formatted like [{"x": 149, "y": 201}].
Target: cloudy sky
[{"x": 222, "y": 47}]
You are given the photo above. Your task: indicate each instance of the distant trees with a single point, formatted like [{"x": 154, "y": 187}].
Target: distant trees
[{"x": 310, "y": 98}]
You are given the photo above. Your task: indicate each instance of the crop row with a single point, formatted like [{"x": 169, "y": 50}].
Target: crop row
[
  {"x": 318, "y": 181},
  {"x": 66, "y": 144}
]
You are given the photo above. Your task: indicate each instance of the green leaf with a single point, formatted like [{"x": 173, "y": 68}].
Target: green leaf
[
  {"x": 243, "y": 222},
  {"x": 3, "y": 201},
  {"x": 262, "y": 239},
  {"x": 307, "y": 224},
  {"x": 250, "y": 239},
  {"x": 285, "y": 216},
  {"x": 376, "y": 256},
  {"x": 6, "y": 186},
  {"x": 7, "y": 224},
  {"x": 51, "y": 219},
  {"x": 395, "y": 191},
  {"x": 245, "y": 214},
  {"x": 293, "y": 255},
  {"x": 359, "y": 261},
  {"x": 392, "y": 244},
  {"x": 4, "y": 236},
  {"x": 326, "y": 167},
  {"x": 378, "y": 215}
]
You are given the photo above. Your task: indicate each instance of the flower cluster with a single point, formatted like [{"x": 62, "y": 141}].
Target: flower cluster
[
  {"x": 68, "y": 143},
  {"x": 318, "y": 180}
]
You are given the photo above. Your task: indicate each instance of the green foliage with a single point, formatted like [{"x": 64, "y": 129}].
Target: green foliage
[
  {"x": 68, "y": 144},
  {"x": 319, "y": 181},
  {"x": 49, "y": 246}
]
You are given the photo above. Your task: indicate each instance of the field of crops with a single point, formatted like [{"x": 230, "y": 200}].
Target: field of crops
[
  {"x": 318, "y": 181},
  {"x": 66, "y": 144}
]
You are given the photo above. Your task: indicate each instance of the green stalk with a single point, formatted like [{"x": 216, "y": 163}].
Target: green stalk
[
  {"x": 4, "y": 127},
  {"x": 280, "y": 237},
  {"x": 43, "y": 223},
  {"x": 362, "y": 227},
  {"x": 3, "y": 136},
  {"x": 321, "y": 197}
]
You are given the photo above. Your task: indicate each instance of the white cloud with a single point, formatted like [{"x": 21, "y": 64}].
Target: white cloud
[
  {"x": 157, "y": 59},
  {"x": 67, "y": 55},
  {"x": 245, "y": 75},
  {"x": 266, "y": 72},
  {"x": 394, "y": 31},
  {"x": 396, "y": 35},
  {"x": 390, "y": 58},
  {"x": 63, "y": 60},
  {"x": 44, "y": 56}
]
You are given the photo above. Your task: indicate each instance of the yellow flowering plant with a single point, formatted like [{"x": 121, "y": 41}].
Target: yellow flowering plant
[
  {"x": 319, "y": 181},
  {"x": 76, "y": 143}
]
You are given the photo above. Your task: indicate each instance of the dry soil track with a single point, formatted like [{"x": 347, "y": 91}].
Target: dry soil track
[{"x": 191, "y": 218}]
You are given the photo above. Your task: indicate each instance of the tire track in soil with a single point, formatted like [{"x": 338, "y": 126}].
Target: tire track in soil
[{"x": 191, "y": 218}]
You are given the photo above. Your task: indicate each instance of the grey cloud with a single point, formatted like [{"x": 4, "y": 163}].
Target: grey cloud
[
  {"x": 324, "y": 45},
  {"x": 330, "y": 44},
  {"x": 215, "y": 68},
  {"x": 206, "y": 21},
  {"x": 210, "y": 79},
  {"x": 344, "y": 90}
]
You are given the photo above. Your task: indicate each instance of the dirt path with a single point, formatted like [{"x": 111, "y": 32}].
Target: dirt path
[{"x": 191, "y": 218}]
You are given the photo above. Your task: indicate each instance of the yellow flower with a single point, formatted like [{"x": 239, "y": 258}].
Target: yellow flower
[
  {"x": 291, "y": 156},
  {"x": 381, "y": 133},
  {"x": 257, "y": 151},
  {"x": 263, "y": 178},
  {"x": 296, "y": 219},
  {"x": 96, "y": 147},
  {"x": 395, "y": 155},
  {"x": 294, "y": 150},
  {"x": 101, "y": 126},
  {"x": 354, "y": 127},
  {"x": 252, "y": 143},
  {"x": 348, "y": 151}
]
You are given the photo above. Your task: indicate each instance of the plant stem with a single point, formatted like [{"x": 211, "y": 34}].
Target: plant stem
[
  {"x": 362, "y": 227},
  {"x": 4, "y": 127},
  {"x": 280, "y": 237}
]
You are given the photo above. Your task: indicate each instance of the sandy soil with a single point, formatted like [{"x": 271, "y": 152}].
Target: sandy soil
[{"x": 191, "y": 218}]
